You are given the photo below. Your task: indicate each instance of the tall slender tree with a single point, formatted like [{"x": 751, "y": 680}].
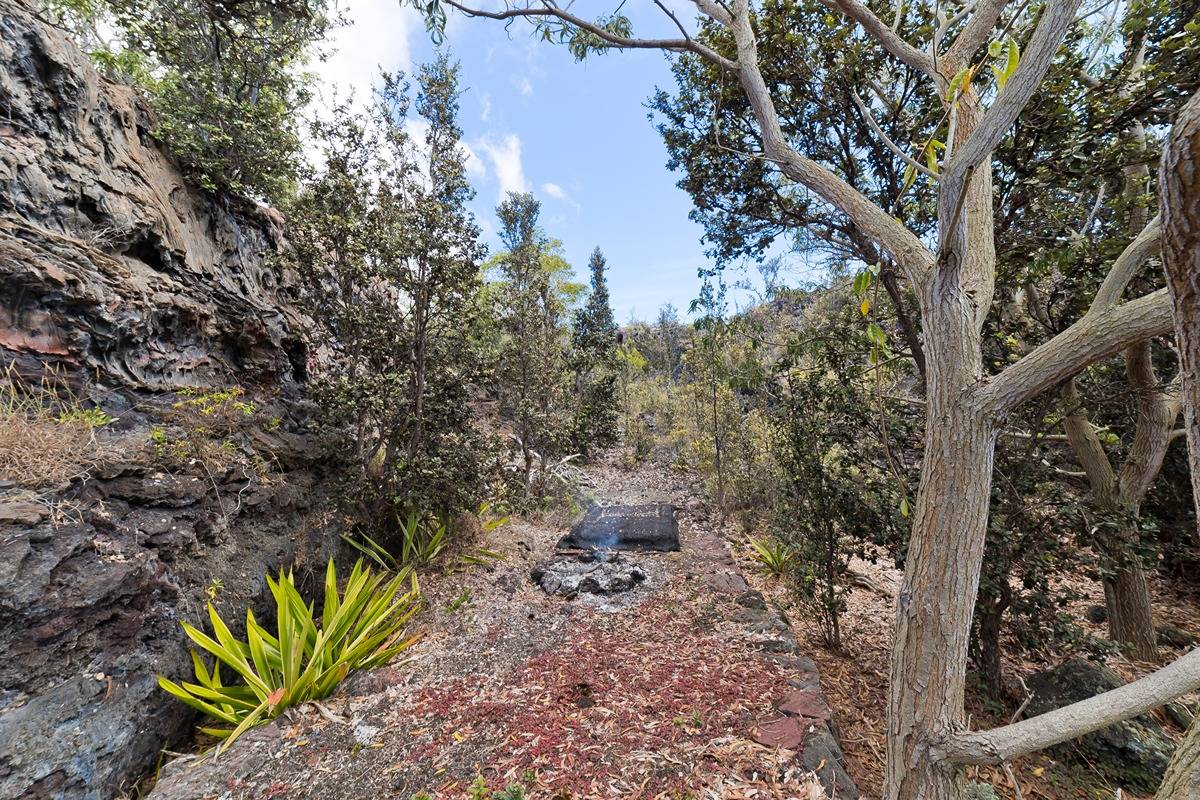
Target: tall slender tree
[
  {"x": 531, "y": 372},
  {"x": 390, "y": 253},
  {"x": 594, "y": 361}
]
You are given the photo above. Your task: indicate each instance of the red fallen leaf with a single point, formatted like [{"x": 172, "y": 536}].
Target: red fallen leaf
[{"x": 274, "y": 697}]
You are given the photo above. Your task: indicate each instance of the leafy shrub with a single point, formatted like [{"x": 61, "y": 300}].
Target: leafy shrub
[
  {"x": 306, "y": 657},
  {"x": 389, "y": 252},
  {"x": 224, "y": 79}
]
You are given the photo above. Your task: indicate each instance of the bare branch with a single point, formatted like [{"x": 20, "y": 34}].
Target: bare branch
[
  {"x": 1144, "y": 245},
  {"x": 906, "y": 249},
  {"x": 887, "y": 38},
  {"x": 1095, "y": 336},
  {"x": 973, "y": 35},
  {"x": 887, "y": 140},
  {"x": 1037, "y": 733},
  {"x": 674, "y": 19},
  {"x": 620, "y": 42},
  {"x": 1056, "y": 19}
]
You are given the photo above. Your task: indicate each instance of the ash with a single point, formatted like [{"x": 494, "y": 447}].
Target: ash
[{"x": 599, "y": 578}]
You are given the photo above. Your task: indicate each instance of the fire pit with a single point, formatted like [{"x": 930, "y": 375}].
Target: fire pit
[
  {"x": 588, "y": 565},
  {"x": 646, "y": 528},
  {"x": 597, "y": 573}
]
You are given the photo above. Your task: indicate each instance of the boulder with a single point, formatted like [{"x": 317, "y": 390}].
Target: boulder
[{"x": 1132, "y": 755}]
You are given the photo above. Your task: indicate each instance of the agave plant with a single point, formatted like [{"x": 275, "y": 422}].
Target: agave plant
[
  {"x": 773, "y": 555},
  {"x": 306, "y": 657}
]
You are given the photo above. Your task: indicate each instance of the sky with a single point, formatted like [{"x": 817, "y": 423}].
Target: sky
[{"x": 575, "y": 134}]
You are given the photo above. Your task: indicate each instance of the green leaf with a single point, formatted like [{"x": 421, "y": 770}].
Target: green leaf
[{"x": 1014, "y": 58}]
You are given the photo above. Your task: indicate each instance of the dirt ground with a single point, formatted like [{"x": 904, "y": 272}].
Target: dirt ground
[
  {"x": 663, "y": 696},
  {"x": 657, "y": 696},
  {"x": 855, "y": 681}
]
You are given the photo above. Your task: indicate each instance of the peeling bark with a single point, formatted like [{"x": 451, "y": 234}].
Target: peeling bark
[{"x": 1180, "y": 187}]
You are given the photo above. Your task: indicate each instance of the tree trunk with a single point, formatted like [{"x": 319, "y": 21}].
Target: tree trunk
[
  {"x": 936, "y": 602},
  {"x": 987, "y": 645},
  {"x": 1180, "y": 186},
  {"x": 945, "y": 552},
  {"x": 1179, "y": 183},
  {"x": 1127, "y": 597},
  {"x": 1182, "y": 779}
]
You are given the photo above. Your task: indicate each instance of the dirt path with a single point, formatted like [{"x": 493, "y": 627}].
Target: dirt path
[{"x": 665, "y": 697}]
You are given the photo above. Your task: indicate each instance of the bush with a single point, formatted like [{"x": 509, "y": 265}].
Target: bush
[{"x": 307, "y": 657}]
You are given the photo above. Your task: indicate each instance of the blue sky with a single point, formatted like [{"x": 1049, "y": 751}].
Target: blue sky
[{"x": 574, "y": 134}]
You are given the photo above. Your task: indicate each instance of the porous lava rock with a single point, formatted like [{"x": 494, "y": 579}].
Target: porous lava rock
[
  {"x": 568, "y": 576},
  {"x": 127, "y": 285}
]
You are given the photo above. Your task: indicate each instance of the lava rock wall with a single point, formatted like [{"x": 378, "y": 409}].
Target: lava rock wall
[{"x": 123, "y": 282}]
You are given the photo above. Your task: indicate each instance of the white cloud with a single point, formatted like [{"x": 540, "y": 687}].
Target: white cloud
[
  {"x": 505, "y": 155},
  {"x": 555, "y": 191},
  {"x": 485, "y": 107},
  {"x": 377, "y": 37},
  {"x": 525, "y": 87},
  {"x": 476, "y": 169}
]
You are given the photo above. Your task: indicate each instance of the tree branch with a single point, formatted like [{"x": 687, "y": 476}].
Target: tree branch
[
  {"x": 973, "y": 35},
  {"x": 905, "y": 248},
  {"x": 887, "y": 140},
  {"x": 619, "y": 42},
  {"x": 1096, "y": 336},
  {"x": 887, "y": 38},
  {"x": 1009, "y": 104},
  {"x": 1037, "y": 733},
  {"x": 1144, "y": 245}
]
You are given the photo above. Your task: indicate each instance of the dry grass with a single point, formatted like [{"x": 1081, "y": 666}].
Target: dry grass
[{"x": 45, "y": 439}]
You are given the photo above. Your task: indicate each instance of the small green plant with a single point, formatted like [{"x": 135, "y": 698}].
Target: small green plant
[
  {"x": 306, "y": 657},
  {"x": 478, "y": 790},
  {"x": 215, "y": 585},
  {"x": 420, "y": 539},
  {"x": 773, "y": 556},
  {"x": 92, "y": 417},
  {"x": 462, "y": 601},
  {"x": 217, "y": 402},
  {"x": 490, "y": 520},
  {"x": 514, "y": 791}
]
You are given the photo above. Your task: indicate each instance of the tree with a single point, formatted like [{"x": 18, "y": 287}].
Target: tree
[
  {"x": 225, "y": 79},
  {"x": 594, "y": 361},
  {"x": 534, "y": 295},
  {"x": 837, "y": 491},
  {"x": 668, "y": 329},
  {"x": 390, "y": 253},
  {"x": 954, "y": 281}
]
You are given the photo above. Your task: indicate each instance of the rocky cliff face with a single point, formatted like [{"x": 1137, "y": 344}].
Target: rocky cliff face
[{"x": 121, "y": 282}]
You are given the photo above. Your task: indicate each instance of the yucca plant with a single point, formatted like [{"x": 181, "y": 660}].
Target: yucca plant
[
  {"x": 774, "y": 556},
  {"x": 306, "y": 657}
]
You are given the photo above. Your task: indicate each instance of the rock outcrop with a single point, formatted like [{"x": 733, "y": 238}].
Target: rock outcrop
[{"x": 121, "y": 282}]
